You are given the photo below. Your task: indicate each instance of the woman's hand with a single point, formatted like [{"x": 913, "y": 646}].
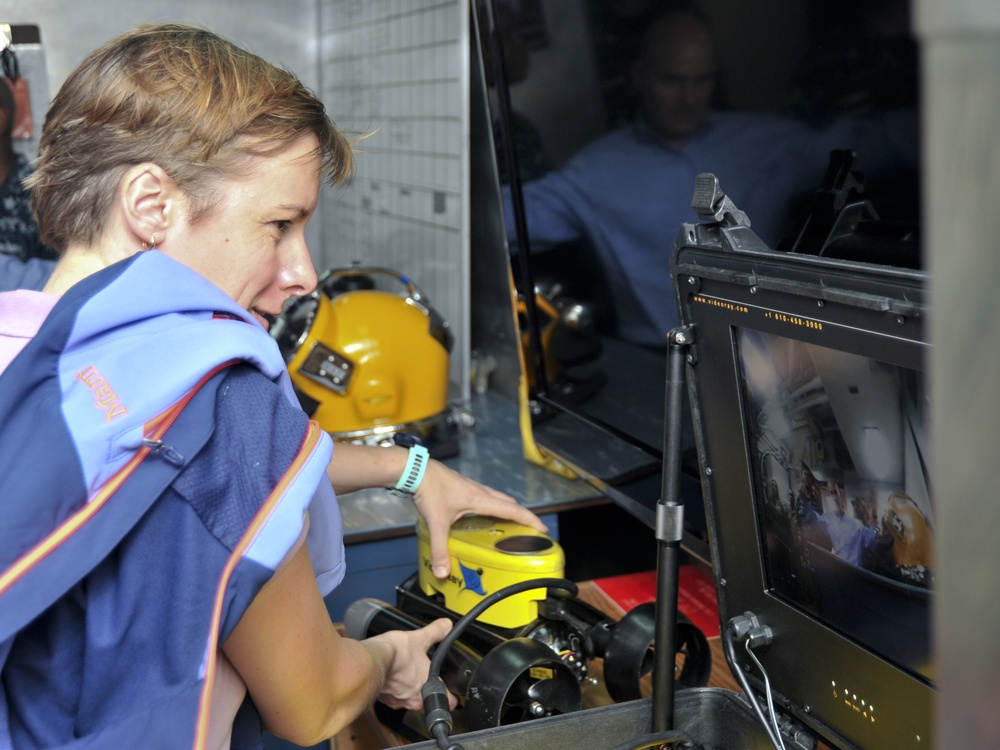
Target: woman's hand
[
  {"x": 408, "y": 666},
  {"x": 307, "y": 681},
  {"x": 442, "y": 498},
  {"x": 445, "y": 496}
]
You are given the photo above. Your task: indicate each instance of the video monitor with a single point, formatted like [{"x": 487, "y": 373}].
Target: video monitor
[
  {"x": 840, "y": 485},
  {"x": 811, "y": 404}
]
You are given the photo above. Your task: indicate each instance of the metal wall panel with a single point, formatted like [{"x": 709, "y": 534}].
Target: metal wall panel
[
  {"x": 960, "y": 50},
  {"x": 396, "y": 70}
]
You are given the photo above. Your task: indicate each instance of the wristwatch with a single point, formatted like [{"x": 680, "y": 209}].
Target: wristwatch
[{"x": 416, "y": 465}]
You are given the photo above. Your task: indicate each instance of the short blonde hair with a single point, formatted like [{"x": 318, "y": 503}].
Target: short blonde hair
[{"x": 181, "y": 97}]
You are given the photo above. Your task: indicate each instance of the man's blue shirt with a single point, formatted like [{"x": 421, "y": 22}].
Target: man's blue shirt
[{"x": 628, "y": 193}]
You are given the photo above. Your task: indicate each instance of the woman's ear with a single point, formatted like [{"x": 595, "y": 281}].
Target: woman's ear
[{"x": 150, "y": 202}]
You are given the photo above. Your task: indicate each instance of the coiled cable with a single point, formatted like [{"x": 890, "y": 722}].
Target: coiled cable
[{"x": 437, "y": 713}]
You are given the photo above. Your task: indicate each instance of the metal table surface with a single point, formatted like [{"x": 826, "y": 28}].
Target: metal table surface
[{"x": 489, "y": 452}]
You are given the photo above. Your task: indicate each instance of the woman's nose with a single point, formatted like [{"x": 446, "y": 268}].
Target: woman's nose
[{"x": 299, "y": 274}]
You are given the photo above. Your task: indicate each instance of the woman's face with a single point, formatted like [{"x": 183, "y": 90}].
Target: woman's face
[{"x": 252, "y": 243}]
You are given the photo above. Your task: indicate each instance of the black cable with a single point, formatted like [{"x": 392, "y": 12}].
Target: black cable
[
  {"x": 489, "y": 601},
  {"x": 440, "y": 732},
  {"x": 437, "y": 713}
]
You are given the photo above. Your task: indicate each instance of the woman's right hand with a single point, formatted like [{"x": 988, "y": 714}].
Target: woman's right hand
[
  {"x": 307, "y": 681},
  {"x": 409, "y": 664}
]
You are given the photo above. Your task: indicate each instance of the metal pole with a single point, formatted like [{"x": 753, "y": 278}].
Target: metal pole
[{"x": 669, "y": 532}]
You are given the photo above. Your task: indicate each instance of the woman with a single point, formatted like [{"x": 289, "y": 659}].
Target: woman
[{"x": 172, "y": 555}]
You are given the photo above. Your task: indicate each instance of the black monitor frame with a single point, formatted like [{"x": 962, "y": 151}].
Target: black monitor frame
[{"x": 727, "y": 280}]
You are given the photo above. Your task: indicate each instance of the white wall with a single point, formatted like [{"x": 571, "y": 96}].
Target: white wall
[
  {"x": 398, "y": 69},
  {"x": 395, "y": 67},
  {"x": 283, "y": 32}
]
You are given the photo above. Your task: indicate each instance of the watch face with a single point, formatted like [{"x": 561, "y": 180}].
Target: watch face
[{"x": 405, "y": 439}]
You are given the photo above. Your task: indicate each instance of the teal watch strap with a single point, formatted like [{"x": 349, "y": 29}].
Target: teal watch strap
[{"x": 413, "y": 474}]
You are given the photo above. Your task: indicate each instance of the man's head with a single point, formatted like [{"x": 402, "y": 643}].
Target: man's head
[
  {"x": 177, "y": 96},
  {"x": 675, "y": 75}
]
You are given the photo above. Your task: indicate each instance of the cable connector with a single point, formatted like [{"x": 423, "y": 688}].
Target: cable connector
[
  {"x": 743, "y": 624},
  {"x": 761, "y": 636},
  {"x": 436, "y": 707},
  {"x": 747, "y": 627}
]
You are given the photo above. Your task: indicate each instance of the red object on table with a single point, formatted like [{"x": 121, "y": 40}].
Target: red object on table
[{"x": 695, "y": 599}]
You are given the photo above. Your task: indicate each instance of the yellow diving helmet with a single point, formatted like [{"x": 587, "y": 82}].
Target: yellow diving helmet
[
  {"x": 548, "y": 319},
  {"x": 912, "y": 535},
  {"x": 367, "y": 363},
  {"x": 569, "y": 345}
]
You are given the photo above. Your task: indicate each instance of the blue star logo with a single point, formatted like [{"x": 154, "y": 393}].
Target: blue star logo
[{"x": 473, "y": 581}]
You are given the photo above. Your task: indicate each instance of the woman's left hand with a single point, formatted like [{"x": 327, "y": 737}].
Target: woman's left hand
[{"x": 444, "y": 496}]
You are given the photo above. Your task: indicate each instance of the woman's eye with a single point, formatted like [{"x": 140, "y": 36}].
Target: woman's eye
[{"x": 282, "y": 224}]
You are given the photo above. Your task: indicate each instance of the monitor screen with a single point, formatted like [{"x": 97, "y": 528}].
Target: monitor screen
[
  {"x": 837, "y": 446},
  {"x": 810, "y": 399}
]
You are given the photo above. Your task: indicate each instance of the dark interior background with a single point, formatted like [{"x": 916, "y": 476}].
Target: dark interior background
[{"x": 810, "y": 59}]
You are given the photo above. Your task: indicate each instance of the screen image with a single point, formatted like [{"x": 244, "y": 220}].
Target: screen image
[{"x": 837, "y": 444}]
